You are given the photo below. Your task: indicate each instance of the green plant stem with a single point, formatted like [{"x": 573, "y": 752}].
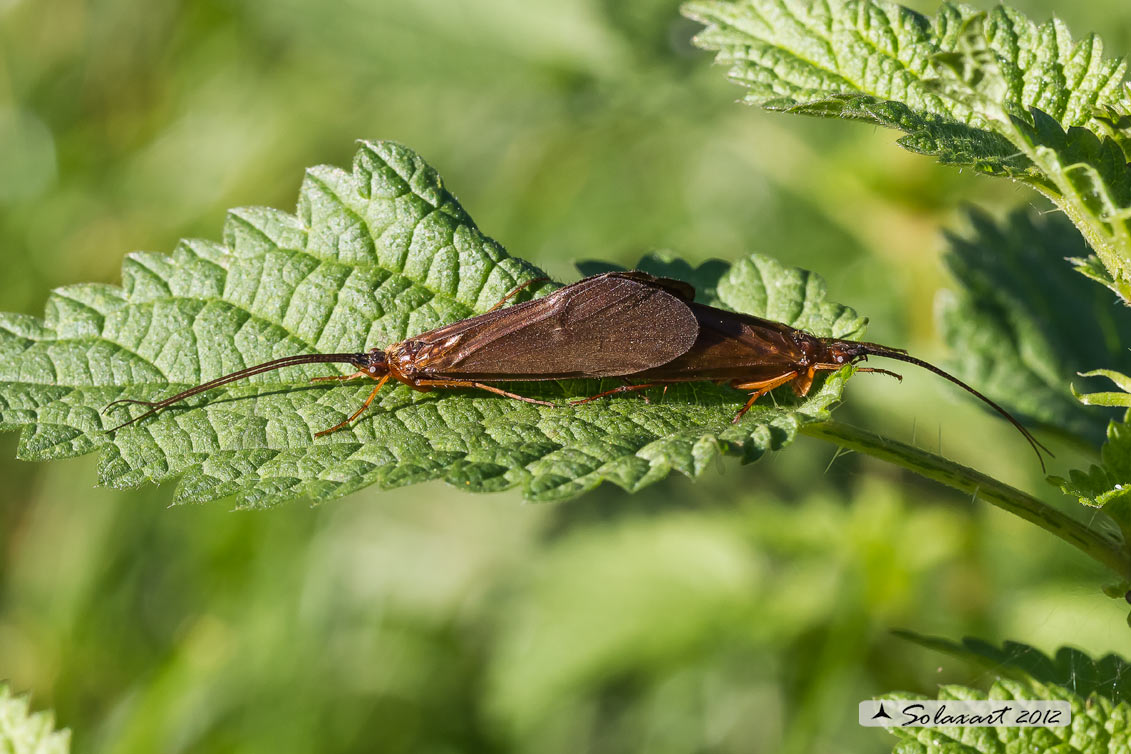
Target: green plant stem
[{"x": 1100, "y": 546}]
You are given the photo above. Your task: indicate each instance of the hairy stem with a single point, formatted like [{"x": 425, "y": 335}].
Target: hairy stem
[{"x": 1100, "y": 546}]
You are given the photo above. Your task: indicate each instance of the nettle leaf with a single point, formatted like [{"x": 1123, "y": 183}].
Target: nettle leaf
[
  {"x": 1089, "y": 177},
  {"x": 885, "y": 64},
  {"x": 1115, "y": 120},
  {"x": 1098, "y": 725},
  {"x": 1022, "y": 323},
  {"x": 1107, "y": 484},
  {"x": 25, "y": 732},
  {"x": 1112, "y": 399},
  {"x": 992, "y": 91},
  {"x": 1109, "y": 676},
  {"x": 1099, "y": 691},
  {"x": 373, "y": 256}
]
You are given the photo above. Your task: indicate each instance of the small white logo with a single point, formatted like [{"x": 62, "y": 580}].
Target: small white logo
[{"x": 990, "y": 713}]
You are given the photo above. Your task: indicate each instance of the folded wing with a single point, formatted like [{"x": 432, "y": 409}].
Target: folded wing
[
  {"x": 731, "y": 346},
  {"x": 608, "y": 325}
]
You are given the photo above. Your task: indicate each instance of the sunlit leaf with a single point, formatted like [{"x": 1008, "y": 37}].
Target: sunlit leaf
[
  {"x": 1110, "y": 399},
  {"x": 1110, "y": 480},
  {"x": 1098, "y": 726},
  {"x": 1096, "y": 690},
  {"x": 373, "y": 256},
  {"x": 993, "y": 91},
  {"x": 1108, "y": 676}
]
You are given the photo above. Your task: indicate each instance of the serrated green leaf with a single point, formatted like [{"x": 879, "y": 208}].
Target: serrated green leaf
[
  {"x": 1110, "y": 481},
  {"x": 1108, "y": 676},
  {"x": 374, "y": 255},
  {"x": 1098, "y": 725},
  {"x": 1113, "y": 400},
  {"x": 1090, "y": 178},
  {"x": 1115, "y": 120},
  {"x": 25, "y": 732},
  {"x": 1091, "y": 267},
  {"x": 1107, "y": 484},
  {"x": 883, "y": 63},
  {"x": 1022, "y": 322},
  {"x": 993, "y": 91},
  {"x": 1099, "y": 692}
]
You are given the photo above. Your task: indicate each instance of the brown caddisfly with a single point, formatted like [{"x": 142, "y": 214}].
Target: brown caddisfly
[
  {"x": 607, "y": 325},
  {"x": 758, "y": 355}
]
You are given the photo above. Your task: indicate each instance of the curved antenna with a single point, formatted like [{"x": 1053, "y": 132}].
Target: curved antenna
[
  {"x": 357, "y": 359},
  {"x": 875, "y": 349}
]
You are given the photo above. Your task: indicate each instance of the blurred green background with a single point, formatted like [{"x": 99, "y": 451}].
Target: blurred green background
[{"x": 746, "y": 612}]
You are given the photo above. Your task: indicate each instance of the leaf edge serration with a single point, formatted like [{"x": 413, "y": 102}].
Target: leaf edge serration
[{"x": 207, "y": 470}]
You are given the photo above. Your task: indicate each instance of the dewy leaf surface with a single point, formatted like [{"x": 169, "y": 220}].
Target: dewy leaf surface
[
  {"x": 993, "y": 91},
  {"x": 374, "y": 255},
  {"x": 1107, "y": 484}
]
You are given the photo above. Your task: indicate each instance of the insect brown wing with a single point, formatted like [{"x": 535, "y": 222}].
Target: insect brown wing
[
  {"x": 604, "y": 326},
  {"x": 733, "y": 346},
  {"x": 678, "y": 288}
]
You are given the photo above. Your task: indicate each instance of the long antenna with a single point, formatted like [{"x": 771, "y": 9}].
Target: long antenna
[
  {"x": 875, "y": 349},
  {"x": 357, "y": 359}
]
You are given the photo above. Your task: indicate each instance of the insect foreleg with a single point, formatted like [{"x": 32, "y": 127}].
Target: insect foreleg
[
  {"x": 380, "y": 383},
  {"x": 760, "y": 389},
  {"x": 482, "y": 386}
]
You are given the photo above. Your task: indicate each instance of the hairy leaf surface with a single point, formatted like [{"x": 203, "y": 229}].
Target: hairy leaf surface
[
  {"x": 1108, "y": 676},
  {"x": 993, "y": 91},
  {"x": 1098, "y": 725},
  {"x": 1098, "y": 690},
  {"x": 374, "y": 255},
  {"x": 1108, "y": 483}
]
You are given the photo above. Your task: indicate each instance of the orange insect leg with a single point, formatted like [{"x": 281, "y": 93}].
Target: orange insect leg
[
  {"x": 803, "y": 382},
  {"x": 760, "y": 389},
  {"x": 380, "y": 383},
  {"x": 481, "y": 386}
]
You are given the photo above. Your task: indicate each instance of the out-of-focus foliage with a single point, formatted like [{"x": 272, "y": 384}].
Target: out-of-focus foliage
[
  {"x": 1022, "y": 323},
  {"x": 427, "y": 620}
]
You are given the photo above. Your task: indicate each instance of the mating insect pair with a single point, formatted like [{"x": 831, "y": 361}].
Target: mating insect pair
[{"x": 618, "y": 324}]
